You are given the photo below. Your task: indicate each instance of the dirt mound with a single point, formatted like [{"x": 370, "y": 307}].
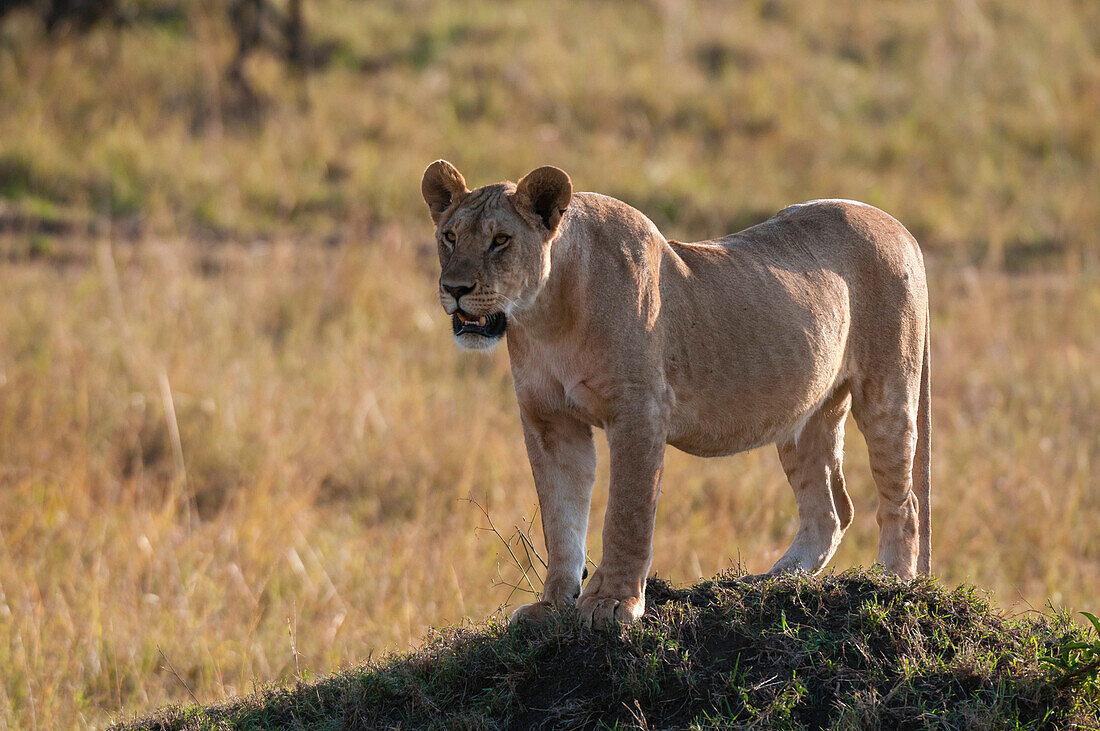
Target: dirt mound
[{"x": 857, "y": 649}]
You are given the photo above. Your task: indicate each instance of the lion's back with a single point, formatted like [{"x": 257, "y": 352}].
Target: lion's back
[
  {"x": 834, "y": 233},
  {"x": 876, "y": 256}
]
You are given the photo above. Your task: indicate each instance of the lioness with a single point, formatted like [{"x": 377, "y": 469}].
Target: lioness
[{"x": 767, "y": 335}]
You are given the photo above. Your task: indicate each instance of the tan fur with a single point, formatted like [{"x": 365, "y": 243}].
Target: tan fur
[{"x": 768, "y": 335}]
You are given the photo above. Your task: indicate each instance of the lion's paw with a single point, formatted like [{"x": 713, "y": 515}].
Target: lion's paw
[
  {"x": 536, "y": 613},
  {"x": 604, "y": 603},
  {"x": 598, "y": 611},
  {"x": 754, "y": 578}
]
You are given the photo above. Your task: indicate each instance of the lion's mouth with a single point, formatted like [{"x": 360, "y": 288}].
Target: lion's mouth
[{"x": 487, "y": 326}]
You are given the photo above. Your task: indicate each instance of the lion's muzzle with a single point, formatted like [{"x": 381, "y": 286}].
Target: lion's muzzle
[{"x": 487, "y": 326}]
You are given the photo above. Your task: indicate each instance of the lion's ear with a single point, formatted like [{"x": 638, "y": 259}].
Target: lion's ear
[
  {"x": 546, "y": 193},
  {"x": 442, "y": 187}
]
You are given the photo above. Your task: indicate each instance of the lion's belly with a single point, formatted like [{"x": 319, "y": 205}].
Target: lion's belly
[
  {"x": 754, "y": 380},
  {"x": 733, "y": 431},
  {"x": 724, "y": 426}
]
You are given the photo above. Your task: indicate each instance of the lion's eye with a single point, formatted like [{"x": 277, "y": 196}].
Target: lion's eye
[
  {"x": 450, "y": 236},
  {"x": 499, "y": 240}
]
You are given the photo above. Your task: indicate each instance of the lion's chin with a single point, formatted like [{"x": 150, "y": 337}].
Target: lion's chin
[{"x": 471, "y": 341}]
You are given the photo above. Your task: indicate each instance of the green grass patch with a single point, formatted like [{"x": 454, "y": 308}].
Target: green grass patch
[{"x": 850, "y": 650}]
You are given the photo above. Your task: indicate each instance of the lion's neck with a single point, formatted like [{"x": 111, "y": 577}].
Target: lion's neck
[{"x": 556, "y": 310}]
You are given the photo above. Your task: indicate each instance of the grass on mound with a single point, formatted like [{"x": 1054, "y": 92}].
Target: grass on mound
[{"x": 852, "y": 650}]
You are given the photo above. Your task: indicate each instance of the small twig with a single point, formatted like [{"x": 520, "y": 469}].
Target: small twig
[
  {"x": 291, "y": 630},
  {"x": 527, "y": 537},
  {"x": 507, "y": 545},
  {"x": 178, "y": 677},
  {"x": 527, "y": 545},
  {"x": 501, "y": 581},
  {"x": 527, "y": 548},
  {"x": 515, "y": 587},
  {"x": 638, "y": 716}
]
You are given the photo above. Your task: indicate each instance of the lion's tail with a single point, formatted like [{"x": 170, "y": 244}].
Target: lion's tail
[{"x": 922, "y": 464}]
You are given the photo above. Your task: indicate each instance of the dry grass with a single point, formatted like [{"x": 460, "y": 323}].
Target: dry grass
[
  {"x": 200, "y": 442},
  {"x": 972, "y": 122},
  {"x": 330, "y": 431}
]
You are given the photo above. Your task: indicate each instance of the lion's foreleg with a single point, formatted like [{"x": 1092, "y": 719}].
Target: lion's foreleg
[
  {"x": 616, "y": 591},
  {"x": 563, "y": 463}
]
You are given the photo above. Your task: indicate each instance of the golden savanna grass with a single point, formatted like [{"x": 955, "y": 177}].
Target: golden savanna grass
[
  {"x": 330, "y": 433},
  {"x": 974, "y": 123},
  {"x": 235, "y": 435}
]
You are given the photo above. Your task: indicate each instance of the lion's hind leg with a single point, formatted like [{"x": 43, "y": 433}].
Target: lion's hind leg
[
  {"x": 886, "y": 411},
  {"x": 812, "y": 462}
]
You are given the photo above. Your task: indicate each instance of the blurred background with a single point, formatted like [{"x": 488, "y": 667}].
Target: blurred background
[{"x": 235, "y": 436}]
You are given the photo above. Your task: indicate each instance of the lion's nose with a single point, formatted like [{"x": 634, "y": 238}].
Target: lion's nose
[{"x": 457, "y": 290}]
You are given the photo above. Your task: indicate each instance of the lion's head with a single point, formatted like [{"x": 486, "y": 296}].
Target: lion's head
[{"x": 494, "y": 246}]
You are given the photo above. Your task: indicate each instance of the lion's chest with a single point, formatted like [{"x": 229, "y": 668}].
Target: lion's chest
[
  {"x": 585, "y": 403},
  {"x": 561, "y": 381}
]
